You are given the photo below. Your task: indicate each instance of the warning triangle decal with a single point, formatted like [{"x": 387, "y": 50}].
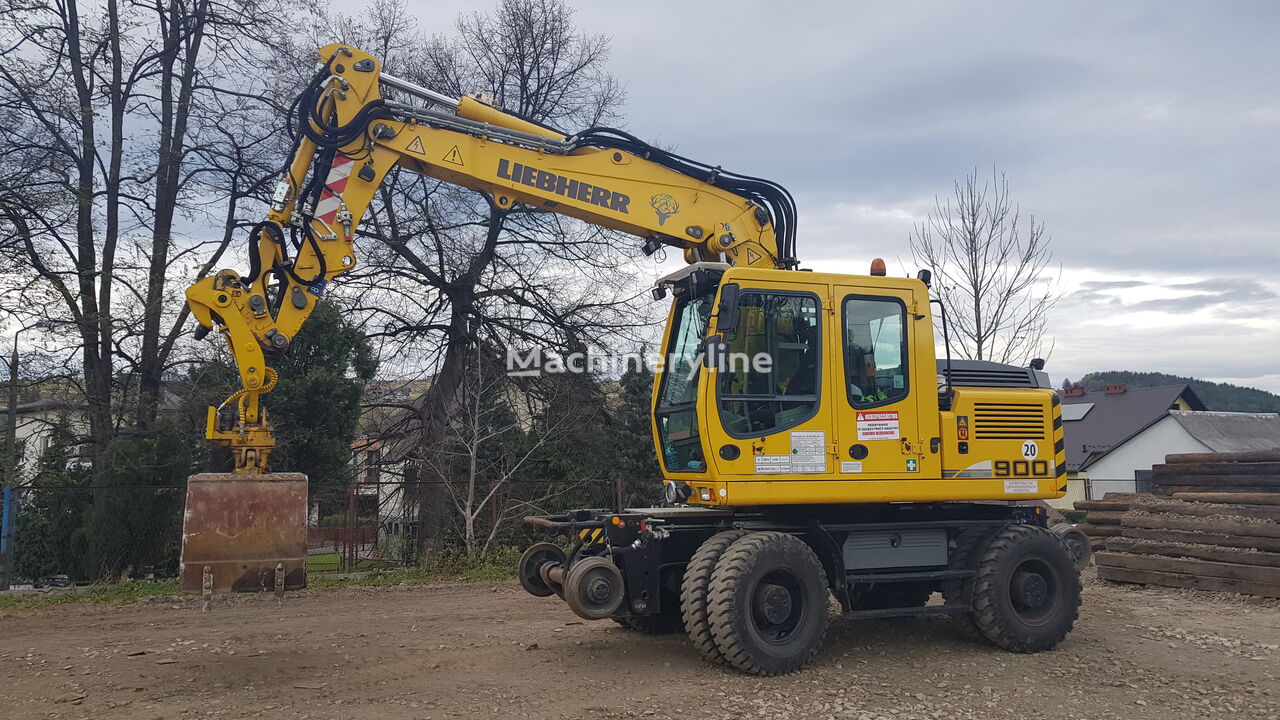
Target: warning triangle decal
[
  {"x": 416, "y": 146},
  {"x": 752, "y": 256},
  {"x": 453, "y": 156}
]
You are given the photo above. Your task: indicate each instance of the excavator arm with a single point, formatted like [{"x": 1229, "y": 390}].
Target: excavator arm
[{"x": 349, "y": 137}]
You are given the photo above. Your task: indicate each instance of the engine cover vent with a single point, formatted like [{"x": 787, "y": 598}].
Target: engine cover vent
[{"x": 1008, "y": 421}]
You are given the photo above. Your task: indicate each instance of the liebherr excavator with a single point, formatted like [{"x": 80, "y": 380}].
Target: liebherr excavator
[{"x": 812, "y": 444}]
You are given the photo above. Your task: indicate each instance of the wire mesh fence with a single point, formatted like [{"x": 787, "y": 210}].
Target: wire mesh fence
[{"x": 76, "y": 535}]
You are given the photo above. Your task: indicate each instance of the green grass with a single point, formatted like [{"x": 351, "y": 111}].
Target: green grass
[
  {"x": 332, "y": 562},
  {"x": 1074, "y": 516},
  {"x": 122, "y": 592},
  {"x": 439, "y": 566}
]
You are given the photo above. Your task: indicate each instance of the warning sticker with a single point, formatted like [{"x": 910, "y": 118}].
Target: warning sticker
[
  {"x": 808, "y": 451},
  {"x": 962, "y": 427},
  {"x": 416, "y": 146},
  {"x": 1020, "y": 487},
  {"x": 851, "y": 467},
  {"x": 882, "y": 425},
  {"x": 773, "y": 464},
  {"x": 453, "y": 156}
]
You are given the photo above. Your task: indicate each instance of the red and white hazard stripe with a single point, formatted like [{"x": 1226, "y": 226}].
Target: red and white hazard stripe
[{"x": 335, "y": 183}]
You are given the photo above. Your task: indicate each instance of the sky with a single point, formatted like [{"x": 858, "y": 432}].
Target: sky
[{"x": 1144, "y": 135}]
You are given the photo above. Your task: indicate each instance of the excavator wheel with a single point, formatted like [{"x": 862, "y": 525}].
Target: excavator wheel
[
  {"x": 1026, "y": 597},
  {"x": 959, "y": 590},
  {"x": 768, "y": 603},
  {"x": 693, "y": 593}
]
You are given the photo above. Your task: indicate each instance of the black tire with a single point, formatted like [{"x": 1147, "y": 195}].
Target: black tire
[
  {"x": 693, "y": 593},
  {"x": 768, "y": 604},
  {"x": 1026, "y": 597},
  {"x": 893, "y": 595},
  {"x": 960, "y": 590}
]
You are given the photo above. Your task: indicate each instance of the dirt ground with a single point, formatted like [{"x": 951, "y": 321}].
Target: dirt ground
[{"x": 488, "y": 650}]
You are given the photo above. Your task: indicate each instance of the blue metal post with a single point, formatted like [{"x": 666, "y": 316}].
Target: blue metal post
[{"x": 8, "y": 508}]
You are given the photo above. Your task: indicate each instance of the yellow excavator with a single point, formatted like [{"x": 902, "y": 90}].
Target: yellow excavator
[{"x": 812, "y": 443}]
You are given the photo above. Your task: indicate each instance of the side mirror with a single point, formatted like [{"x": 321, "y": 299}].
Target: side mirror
[
  {"x": 1037, "y": 364},
  {"x": 727, "y": 310}
]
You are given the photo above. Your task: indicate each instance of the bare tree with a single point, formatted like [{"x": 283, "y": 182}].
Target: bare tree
[
  {"x": 447, "y": 271},
  {"x": 491, "y": 439},
  {"x": 989, "y": 270},
  {"x": 140, "y": 122}
]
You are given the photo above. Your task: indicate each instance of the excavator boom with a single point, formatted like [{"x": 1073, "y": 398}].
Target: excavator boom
[{"x": 349, "y": 137}]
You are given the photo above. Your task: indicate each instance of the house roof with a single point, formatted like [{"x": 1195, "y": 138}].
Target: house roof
[
  {"x": 1116, "y": 417},
  {"x": 1231, "y": 431}
]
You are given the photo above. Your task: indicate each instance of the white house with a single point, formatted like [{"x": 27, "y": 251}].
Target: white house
[{"x": 1180, "y": 431}]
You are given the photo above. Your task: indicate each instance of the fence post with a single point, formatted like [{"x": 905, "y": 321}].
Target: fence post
[{"x": 8, "y": 511}]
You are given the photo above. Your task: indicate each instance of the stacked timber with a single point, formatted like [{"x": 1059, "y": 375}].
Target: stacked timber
[
  {"x": 1102, "y": 517},
  {"x": 1217, "y": 473},
  {"x": 1215, "y": 526}
]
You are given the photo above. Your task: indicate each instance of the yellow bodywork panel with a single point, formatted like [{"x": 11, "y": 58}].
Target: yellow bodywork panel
[{"x": 850, "y": 411}]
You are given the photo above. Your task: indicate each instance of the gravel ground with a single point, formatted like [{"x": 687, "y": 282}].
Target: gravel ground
[{"x": 487, "y": 650}]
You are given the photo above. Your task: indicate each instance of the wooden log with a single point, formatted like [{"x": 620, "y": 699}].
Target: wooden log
[
  {"x": 1272, "y": 498},
  {"x": 1259, "y": 512},
  {"x": 1091, "y": 505},
  {"x": 1122, "y": 496},
  {"x": 1204, "y": 552},
  {"x": 1252, "y": 489},
  {"x": 1097, "y": 517},
  {"x": 1190, "y": 566},
  {"x": 1241, "y": 457},
  {"x": 1100, "y": 530},
  {"x": 1215, "y": 584},
  {"x": 1217, "y": 468},
  {"x": 1203, "y": 538},
  {"x": 1209, "y": 525},
  {"x": 1216, "y": 480}
]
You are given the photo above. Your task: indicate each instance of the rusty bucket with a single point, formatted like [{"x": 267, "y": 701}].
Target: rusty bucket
[{"x": 244, "y": 533}]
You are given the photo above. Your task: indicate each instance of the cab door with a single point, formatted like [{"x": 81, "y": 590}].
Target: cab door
[
  {"x": 876, "y": 396},
  {"x": 769, "y": 411}
]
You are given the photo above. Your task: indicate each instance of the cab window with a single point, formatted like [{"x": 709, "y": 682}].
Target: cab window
[
  {"x": 875, "y": 351},
  {"x": 769, "y": 375},
  {"x": 676, "y": 410}
]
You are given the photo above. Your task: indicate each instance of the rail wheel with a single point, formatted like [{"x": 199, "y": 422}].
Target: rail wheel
[
  {"x": 1077, "y": 542},
  {"x": 593, "y": 588},
  {"x": 693, "y": 593},
  {"x": 768, "y": 603},
  {"x": 530, "y": 569},
  {"x": 1026, "y": 597}
]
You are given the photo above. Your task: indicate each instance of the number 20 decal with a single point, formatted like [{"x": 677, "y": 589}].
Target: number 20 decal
[{"x": 1021, "y": 468}]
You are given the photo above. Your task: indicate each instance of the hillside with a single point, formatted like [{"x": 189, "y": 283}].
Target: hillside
[{"x": 1216, "y": 396}]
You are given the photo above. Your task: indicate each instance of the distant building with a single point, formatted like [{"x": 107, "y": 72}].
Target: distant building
[
  {"x": 36, "y": 423},
  {"x": 1114, "y": 436}
]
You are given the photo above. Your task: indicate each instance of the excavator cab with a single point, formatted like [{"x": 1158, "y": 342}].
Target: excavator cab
[{"x": 785, "y": 388}]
